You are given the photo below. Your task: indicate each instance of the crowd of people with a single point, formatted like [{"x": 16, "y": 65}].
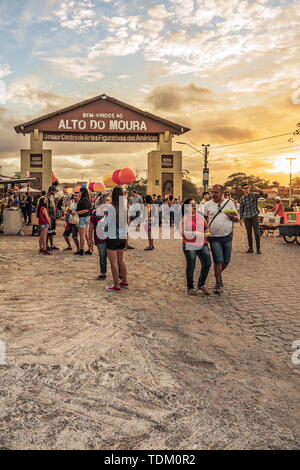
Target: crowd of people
[{"x": 206, "y": 228}]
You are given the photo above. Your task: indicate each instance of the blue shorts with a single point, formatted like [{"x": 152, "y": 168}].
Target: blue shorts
[
  {"x": 44, "y": 226},
  {"x": 84, "y": 221},
  {"x": 221, "y": 248}
]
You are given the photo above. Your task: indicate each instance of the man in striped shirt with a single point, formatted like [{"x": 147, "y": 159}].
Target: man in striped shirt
[{"x": 249, "y": 213}]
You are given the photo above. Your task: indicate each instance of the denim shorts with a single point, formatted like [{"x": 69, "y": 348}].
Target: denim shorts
[
  {"x": 221, "y": 248},
  {"x": 84, "y": 221},
  {"x": 44, "y": 226}
]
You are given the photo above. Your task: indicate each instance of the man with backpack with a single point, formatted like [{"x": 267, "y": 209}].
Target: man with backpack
[{"x": 221, "y": 230}]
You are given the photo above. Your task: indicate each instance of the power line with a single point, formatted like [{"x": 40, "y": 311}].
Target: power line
[{"x": 249, "y": 141}]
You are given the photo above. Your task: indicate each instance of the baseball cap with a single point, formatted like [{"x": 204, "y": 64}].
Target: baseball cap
[
  {"x": 52, "y": 188},
  {"x": 277, "y": 198}
]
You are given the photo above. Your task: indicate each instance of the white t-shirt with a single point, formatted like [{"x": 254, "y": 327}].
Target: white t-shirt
[{"x": 221, "y": 225}]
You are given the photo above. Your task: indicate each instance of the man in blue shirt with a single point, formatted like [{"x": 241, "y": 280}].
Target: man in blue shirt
[{"x": 249, "y": 213}]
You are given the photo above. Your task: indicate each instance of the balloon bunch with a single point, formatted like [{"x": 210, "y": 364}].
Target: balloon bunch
[{"x": 123, "y": 176}]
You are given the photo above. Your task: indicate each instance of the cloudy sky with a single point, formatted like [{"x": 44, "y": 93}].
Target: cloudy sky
[{"x": 227, "y": 70}]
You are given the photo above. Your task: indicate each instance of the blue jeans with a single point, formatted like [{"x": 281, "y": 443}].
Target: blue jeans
[
  {"x": 205, "y": 259},
  {"x": 221, "y": 248},
  {"x": 102, "y": 257}
]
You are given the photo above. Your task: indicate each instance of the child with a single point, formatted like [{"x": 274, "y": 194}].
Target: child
[{"x": 44, "y": 222}]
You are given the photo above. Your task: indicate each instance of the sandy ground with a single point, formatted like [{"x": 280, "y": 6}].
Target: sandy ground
[{"x": 150, "y": 368}]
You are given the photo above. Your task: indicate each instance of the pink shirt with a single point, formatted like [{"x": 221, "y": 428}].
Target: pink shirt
[{"x": 190, "y": 225}]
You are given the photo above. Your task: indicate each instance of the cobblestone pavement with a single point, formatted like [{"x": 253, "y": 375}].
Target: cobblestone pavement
[{"x": 151, "y": 367}]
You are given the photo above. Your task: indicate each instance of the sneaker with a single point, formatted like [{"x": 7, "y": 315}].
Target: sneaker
[
  {"x": 218, "y": 289},
  {"x": 46, "y": 252},
  {"x": 67, "y": 249},
  {"x": 41, "y": 250},
  {"x": 54, "y": 248},
  {"x": 113, "y": 289},
  {"x": 259, "y": 252},
  {"x": 249, "y": 251},
  {"x": 49, "y": 248},
  {"x": 124, "y": 285},
  {"x": 88, "y": 252},
  {"x": 204, "y": 290},
  {"x": 79, "y": 252}
]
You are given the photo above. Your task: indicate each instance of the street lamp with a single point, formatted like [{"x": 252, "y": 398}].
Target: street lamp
[
  {"x": 205, "y": 169},
  {"x": 290, "y": 195},
  {"x": 109, "y": 165}
]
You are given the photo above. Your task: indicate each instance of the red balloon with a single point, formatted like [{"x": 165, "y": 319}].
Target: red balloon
[
  {"x": 126, "y": 176},
  {"x": 91, "y": 187},
  {"x": 53, "y": 178},
  {"x": 115, "y": 177}
]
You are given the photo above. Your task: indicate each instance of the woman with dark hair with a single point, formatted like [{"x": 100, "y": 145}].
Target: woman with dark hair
[
  {"x": 101, "y": 206},
  {"x": 149, "y": 202},
  {"x": 194, "y": 245},
  {"x": 44, "y": 222},
  {"x": 83, "y": 211},
  {"x": 115, "y": 225}
]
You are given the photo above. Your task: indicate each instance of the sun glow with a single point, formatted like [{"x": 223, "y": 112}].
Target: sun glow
[{"x": 281, "y": 165}]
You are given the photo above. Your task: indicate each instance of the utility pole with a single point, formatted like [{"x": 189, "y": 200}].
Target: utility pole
[
  {"x": 205, "y": 169},
  {"x": 290, "y": 195}
]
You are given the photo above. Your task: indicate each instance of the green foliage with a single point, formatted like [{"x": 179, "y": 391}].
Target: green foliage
[
  {"x": 189, "y": 189},
  {"x": 234, "y": 182},
  {"x": 296, "y": 182},
  {"x": 138, "y": 186},
  {"x": 17, "y": 175}
]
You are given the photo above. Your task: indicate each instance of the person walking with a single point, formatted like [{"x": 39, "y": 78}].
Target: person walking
[
  {"x": 44, "y": 222},
  {"x": 148, "y": 214},
  {"x": 72, "y": 221},
  {"x": 83, "y": 211},
  {"x": 278, "y": 209},
  {"x": 194, "y": 245},
  {"x": 221, "y": 229},
  {"x": 101, "y": 206},
  {"x": 249, "y": 213},
  {"x": 116, "y": 223},
  {"x": 28, "y": 205},
  {"x": 52, "y": 214}
]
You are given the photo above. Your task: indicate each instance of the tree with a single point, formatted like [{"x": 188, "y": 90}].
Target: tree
[
  {"x": 138, "y": 186},
  {"x": 296, "y": 182},
  {"x": 234, "y": 183},
  {"x": 189, "y": 189},
  {"x": 17, "y": 175}
]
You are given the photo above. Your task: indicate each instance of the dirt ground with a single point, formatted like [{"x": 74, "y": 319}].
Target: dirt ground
[{"x": 150, "y": 368}]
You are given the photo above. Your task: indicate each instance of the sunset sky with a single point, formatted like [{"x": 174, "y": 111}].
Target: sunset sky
[{"x": 227, "y": 70}]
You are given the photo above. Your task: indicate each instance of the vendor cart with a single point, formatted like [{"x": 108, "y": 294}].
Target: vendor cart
[
  {"x": 291, "y": 233},
  {"x": 268, "y": 223}
]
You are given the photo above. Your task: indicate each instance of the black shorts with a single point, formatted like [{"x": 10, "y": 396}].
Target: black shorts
[
  {"x": 52, "y": 228},
  {"x": 115, "y": 244}
]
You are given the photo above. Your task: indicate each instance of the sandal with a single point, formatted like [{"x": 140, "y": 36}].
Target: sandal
[
  {"x": 101, "y": 276},
  {"x": 192, "y": 292}
]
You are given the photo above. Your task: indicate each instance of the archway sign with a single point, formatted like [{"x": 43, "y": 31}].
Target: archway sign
[{"x": 105, "y": 119}]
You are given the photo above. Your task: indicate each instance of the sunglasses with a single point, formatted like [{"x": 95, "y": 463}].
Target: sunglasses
[{"x": 245, "y": 187}]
